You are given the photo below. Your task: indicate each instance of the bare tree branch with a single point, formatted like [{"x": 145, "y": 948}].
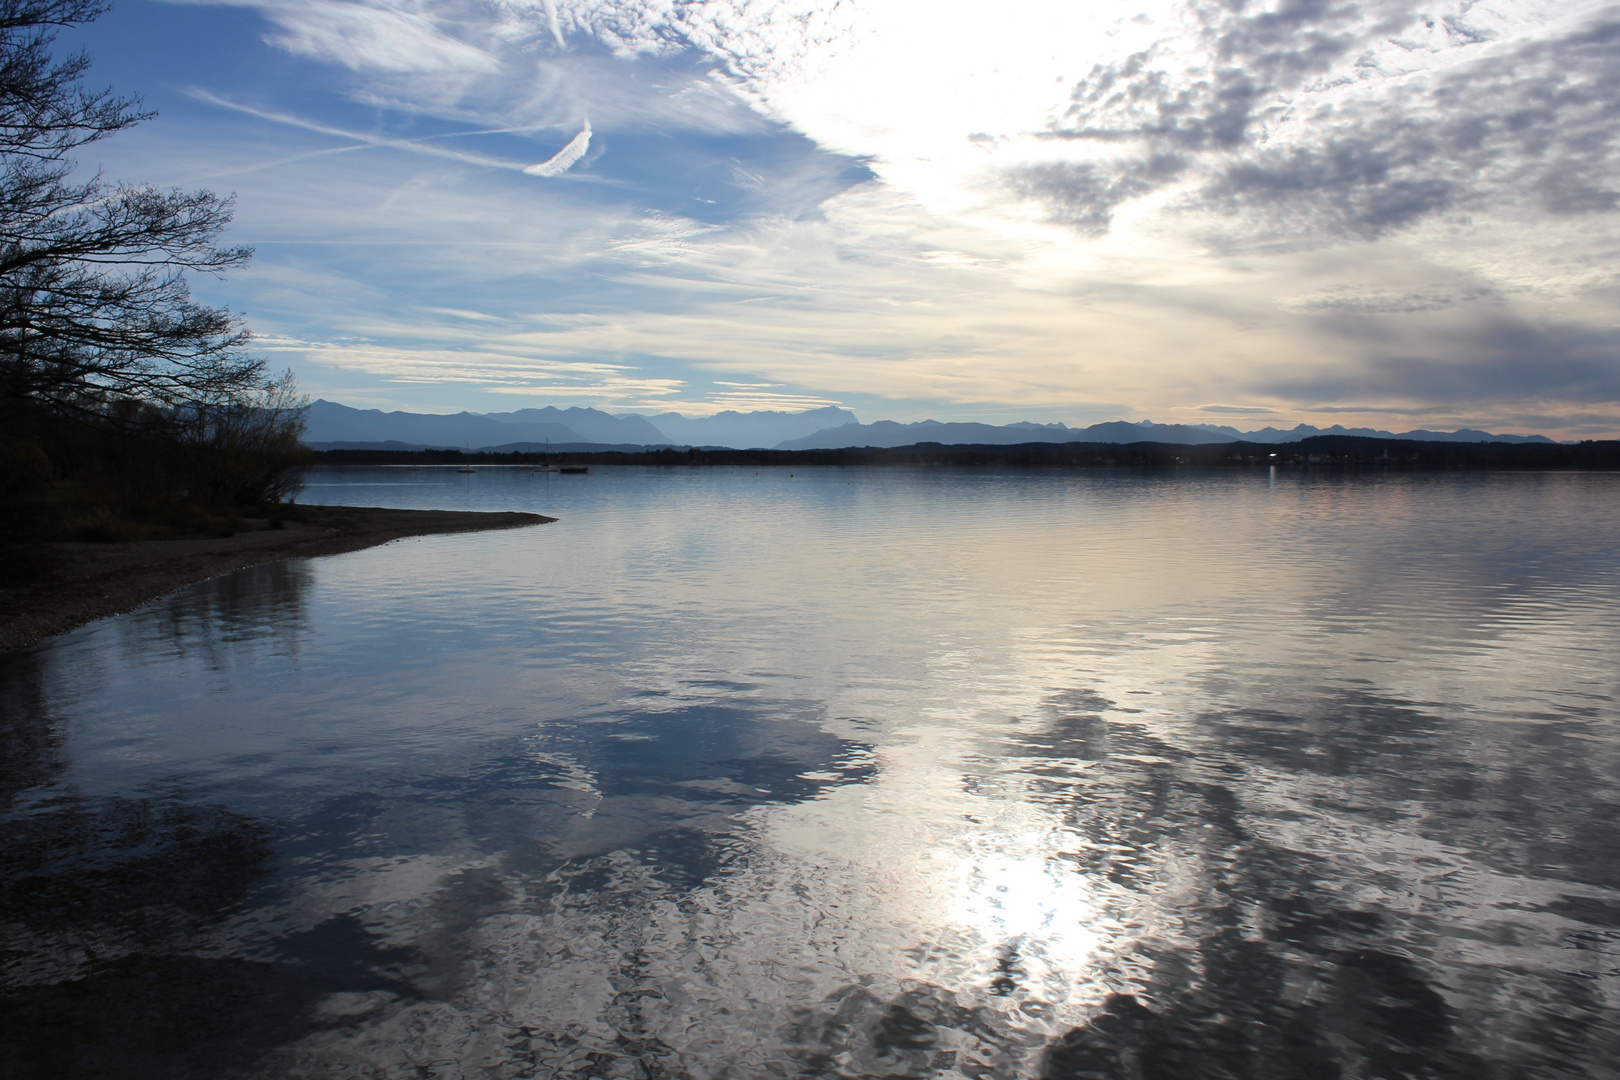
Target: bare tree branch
[{"x": 94, "y": 302}]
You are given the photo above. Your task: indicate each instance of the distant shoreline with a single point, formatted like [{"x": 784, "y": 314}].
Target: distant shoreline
[
  {"x": 1336, "y": 451},
  {"x": 51, "y": 588}
]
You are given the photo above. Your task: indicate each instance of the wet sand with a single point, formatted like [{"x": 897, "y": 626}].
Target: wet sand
[{"x": 48, "y": 589}]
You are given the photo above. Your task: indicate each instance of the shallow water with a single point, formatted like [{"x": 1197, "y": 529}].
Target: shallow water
[{"x": 843, "y": 773}]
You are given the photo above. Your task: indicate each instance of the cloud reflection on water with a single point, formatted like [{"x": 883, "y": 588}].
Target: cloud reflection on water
[{"x": 907, "y": 774}]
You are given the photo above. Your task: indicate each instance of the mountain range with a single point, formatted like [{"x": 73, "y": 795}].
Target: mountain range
[
  {"x": 331, "y": 426},
  {"x": 888, "y": 433},
  {"x": 334, "y": 426}
]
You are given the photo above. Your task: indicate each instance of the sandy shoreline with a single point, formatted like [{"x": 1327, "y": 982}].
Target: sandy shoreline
[{"x": 49, "y": 589}]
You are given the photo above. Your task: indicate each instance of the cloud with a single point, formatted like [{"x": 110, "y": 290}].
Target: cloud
[
  {"x": 500, "y": 64},
  {"x": 1083, "y": 195},
  {"x": 553, "y": 25},
  {"x": 1292, "y": 203},
  {"x": 1207, "y": 85},
  {"x": 752, "y": 399},
  {"x": 1305, "y": 121},
  {"x": 1237, "y": 410},
  {"x": 1494, "y": 360},
  {"x": 1383, "y": 301},
  {"x": 366, "y": 37},
  {"x": 525, "y": 373},
  {"x": 1308, "y": 121},
  {"x": 1296, "y": 122},
  {"x": 660, "y": 237},
  {"x": 755, "y": 39},
  {"x": 1537, "y": 124},
  {"x": 1357, "y": 187},
  {"x": 559, "y": 163}
]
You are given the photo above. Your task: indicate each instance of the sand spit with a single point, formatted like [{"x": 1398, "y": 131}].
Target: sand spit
[{"x": 49, "y": 589}]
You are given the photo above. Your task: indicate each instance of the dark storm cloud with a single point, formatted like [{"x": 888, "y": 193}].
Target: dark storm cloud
[
  {"x": 1535, "y": 125},
  {"x": 1499, "y": 359}
]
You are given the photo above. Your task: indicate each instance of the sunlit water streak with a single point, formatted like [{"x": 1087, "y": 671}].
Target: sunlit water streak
[{"x": 844, "y": 772}]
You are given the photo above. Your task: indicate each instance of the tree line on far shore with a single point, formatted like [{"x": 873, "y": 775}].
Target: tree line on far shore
[
  {"x": 1319, "y": 451},
  {"x": 126, "y": 407}
]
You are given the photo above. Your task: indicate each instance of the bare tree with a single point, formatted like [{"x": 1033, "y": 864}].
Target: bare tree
[
  {"x": 94, "y": 302},
  {"x": 247, "y": 449}
]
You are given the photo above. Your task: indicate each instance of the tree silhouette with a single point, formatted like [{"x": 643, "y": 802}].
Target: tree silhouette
[{"x": 94, "y": 303}]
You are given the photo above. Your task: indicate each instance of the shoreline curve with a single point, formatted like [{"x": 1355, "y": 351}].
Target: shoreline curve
[{"x": 51, "y": 588}]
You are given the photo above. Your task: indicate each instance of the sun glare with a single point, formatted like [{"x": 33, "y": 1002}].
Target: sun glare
[{"x": 1033, "y": 911}]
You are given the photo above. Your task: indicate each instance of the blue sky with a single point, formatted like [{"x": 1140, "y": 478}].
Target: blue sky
[{"x": 1376, "y": 212}]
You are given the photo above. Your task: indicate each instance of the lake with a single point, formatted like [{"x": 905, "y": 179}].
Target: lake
[{"x": 843, "y": 772}]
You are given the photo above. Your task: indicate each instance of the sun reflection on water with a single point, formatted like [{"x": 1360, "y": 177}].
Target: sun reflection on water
[
  {"x": 1038, "y": 917},
  {"x": 995, "y": 791}
]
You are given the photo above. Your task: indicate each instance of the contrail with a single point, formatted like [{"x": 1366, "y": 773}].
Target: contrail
[
  {"x": 551, "y": 20},
  {"x": 417, "y": 146},
  {"x": 555, "y": 165},
  {"x": 559, "y": 162}
]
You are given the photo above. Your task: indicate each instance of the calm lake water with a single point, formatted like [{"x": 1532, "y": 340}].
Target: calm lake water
[{"x": 862, "y": 773}]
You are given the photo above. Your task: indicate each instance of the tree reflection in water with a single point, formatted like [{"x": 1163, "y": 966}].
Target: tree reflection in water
[
  {"x": 109, "y": 906},
  {"x": 259, "y": 604}
]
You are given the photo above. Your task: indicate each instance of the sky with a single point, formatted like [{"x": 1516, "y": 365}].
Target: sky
[{"x": 1390, "y": 213}]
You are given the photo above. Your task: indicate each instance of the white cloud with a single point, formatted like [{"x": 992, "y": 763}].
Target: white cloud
[
  {"x": 369, "y": 37},
  {"x": 528, "y": 373}
]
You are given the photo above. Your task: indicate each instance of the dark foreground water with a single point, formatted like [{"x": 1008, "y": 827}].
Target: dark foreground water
[{"x": 843, "y": 773}]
